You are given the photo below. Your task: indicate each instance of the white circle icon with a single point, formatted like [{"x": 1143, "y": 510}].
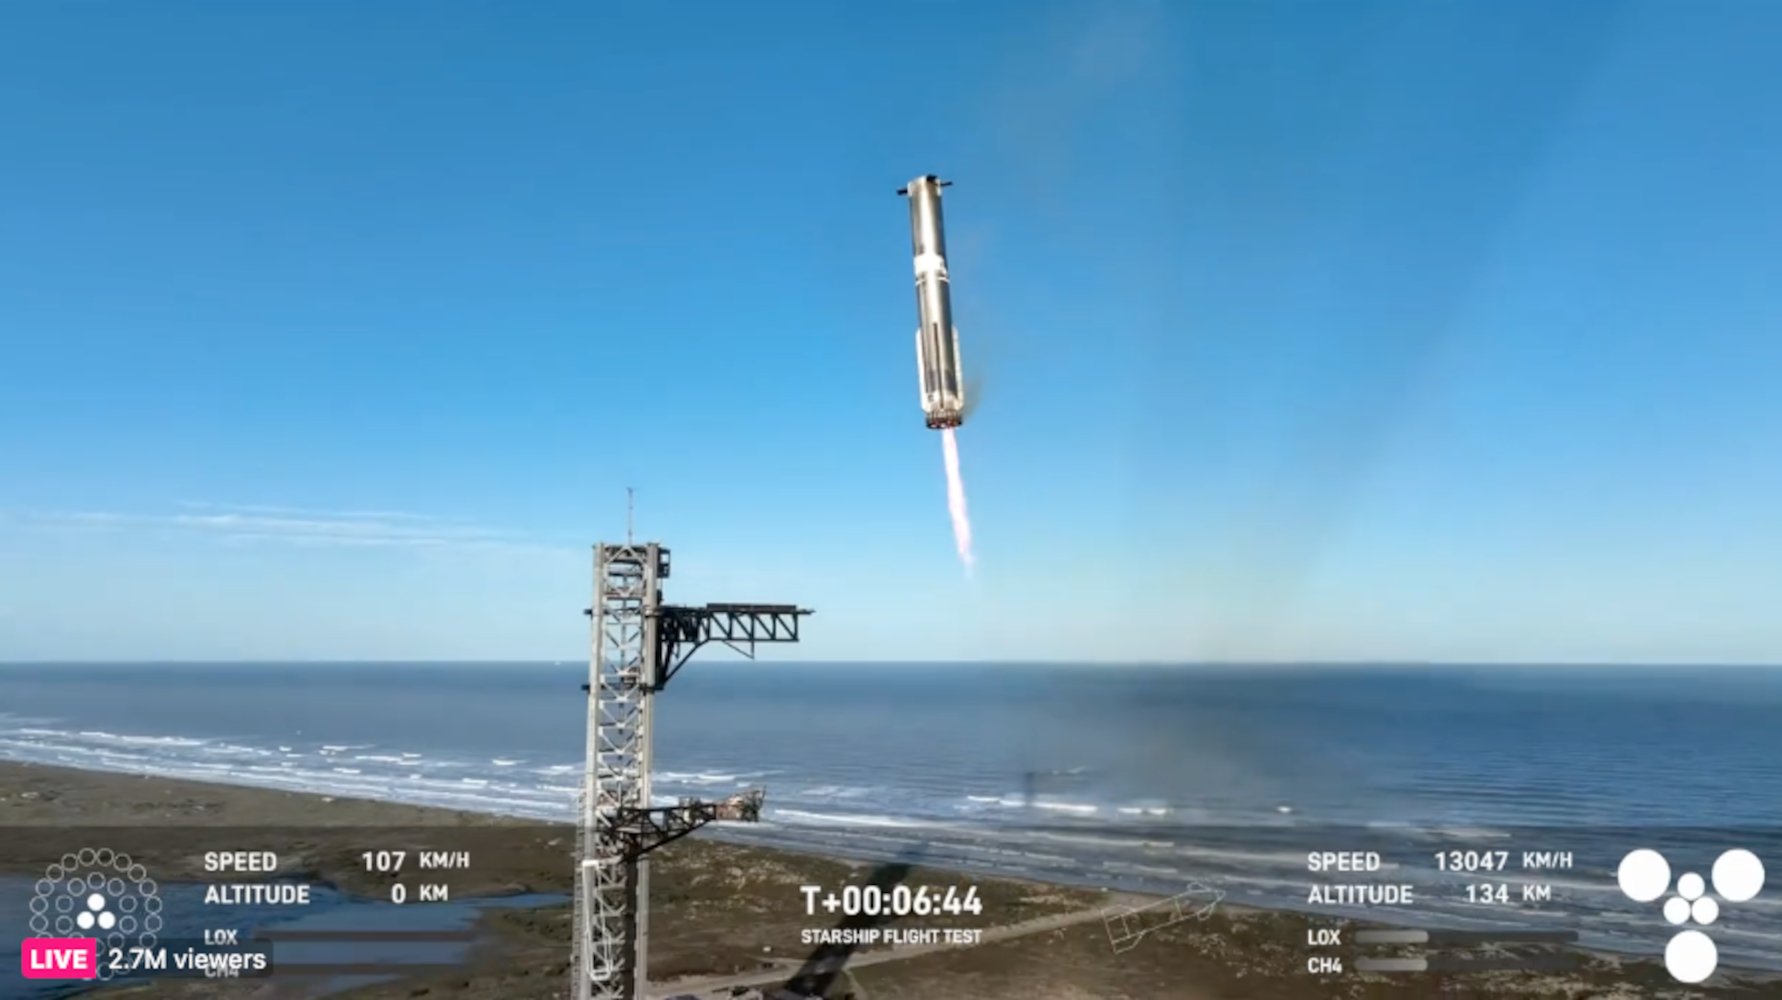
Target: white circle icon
[
  {"x": 1691, "y": 886},
  {"x": 1676, "y": 909},
  {"x": 1691, "y": 957},
  {"x": 1705, "y": 911},
  {"x": 1738, "y": 876},
  {"x": 1644, "y": 875}
]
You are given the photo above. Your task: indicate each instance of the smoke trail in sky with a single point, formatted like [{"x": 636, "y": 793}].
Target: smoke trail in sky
[{"x": 956, "y": 499}]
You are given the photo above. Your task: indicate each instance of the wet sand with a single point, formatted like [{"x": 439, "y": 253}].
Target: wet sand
[{"x": 725, "y": 913}]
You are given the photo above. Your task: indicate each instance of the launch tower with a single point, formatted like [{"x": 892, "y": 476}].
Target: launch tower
[{"x": 639, "y": 644}]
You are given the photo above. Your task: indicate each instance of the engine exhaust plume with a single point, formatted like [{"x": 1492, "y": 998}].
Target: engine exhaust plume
[{"x": 956, "y": 499}]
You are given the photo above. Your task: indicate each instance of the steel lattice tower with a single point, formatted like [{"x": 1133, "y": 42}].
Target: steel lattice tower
[
  {"x": 638, "y": 645},
  {"x": 617, "y": 773}
]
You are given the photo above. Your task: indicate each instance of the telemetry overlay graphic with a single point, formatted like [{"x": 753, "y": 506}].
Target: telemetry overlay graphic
[
  {"x": 1645, "y": 875},
  {"x": 92, "y": 895}
]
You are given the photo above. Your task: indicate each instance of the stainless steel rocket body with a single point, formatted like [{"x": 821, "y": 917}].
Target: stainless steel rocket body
[{"x": 937, "y": 340}]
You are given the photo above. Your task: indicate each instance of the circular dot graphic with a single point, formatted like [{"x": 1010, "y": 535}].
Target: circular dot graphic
[
  {"x": 1676, "y": 909},
  {"x": 1691, "y": 957},
  {"x": 1705, "y": 911},
  {"x": 1738, "y": 876},
  {"x": 83, "y": 895},
  {"x": 1644, "y": 875},
  {"x": 1691, "y": 886}
]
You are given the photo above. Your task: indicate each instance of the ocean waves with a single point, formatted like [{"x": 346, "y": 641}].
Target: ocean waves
[
  {"x": 544, "y": 789},
  {"x": 1136, "y": 839},
  {"x": 359, "y": 770}
]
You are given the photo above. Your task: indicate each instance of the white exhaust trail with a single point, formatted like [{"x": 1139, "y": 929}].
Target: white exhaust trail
[{"x": 956, "y": 499}]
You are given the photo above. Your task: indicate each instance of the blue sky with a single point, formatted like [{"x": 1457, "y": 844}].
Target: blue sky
[{"x": 1306, "y": 331}]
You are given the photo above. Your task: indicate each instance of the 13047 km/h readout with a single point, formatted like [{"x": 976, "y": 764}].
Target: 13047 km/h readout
[
  {"x": 897, "y": 901},
  {"x": 1472, "y": 861}
]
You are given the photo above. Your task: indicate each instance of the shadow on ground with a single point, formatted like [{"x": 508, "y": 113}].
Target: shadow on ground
[{"x": 827, "y": 963}]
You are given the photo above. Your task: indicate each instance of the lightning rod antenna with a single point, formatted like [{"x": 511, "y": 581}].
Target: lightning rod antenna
[{"x": 630, "y": 512}]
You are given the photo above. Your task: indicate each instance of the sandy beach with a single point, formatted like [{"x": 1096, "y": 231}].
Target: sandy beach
[{"x": 724, "y": 915}]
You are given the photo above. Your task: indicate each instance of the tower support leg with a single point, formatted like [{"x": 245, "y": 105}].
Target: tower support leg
[
  {"x": 637, "y": 645},
  {"x": 610, "y": 891}
]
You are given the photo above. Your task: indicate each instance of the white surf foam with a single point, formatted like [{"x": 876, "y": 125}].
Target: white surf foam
[
  {"x": 1079, "y": 808},
  {"x": 167, "y": 741},
  {"x": 823, "y": 792},
  {"x": 698, "y": 777},
  {"x": 849, "y": 819}
]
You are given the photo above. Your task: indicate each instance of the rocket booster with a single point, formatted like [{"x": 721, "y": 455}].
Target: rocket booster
[{"x": 937, "y": 340}]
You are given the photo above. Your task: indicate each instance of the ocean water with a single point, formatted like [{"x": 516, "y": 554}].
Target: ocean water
[{"x": 1126, "y": 777}]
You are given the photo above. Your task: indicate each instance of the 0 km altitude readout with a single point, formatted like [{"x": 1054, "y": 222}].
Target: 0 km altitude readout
[{"x": 898, "y": 901}]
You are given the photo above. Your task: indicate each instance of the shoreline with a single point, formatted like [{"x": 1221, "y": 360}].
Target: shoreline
[{"x": 735, "y": 911}]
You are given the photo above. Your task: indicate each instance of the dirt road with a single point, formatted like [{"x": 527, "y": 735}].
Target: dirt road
[{"x": 859, "y": 960}]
